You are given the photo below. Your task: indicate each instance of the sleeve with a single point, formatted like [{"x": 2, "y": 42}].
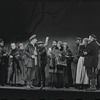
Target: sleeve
[
  {"x": 49, "y": 52},
  {"x": 88, "y": 49},
  {"x": 80, "y": 52},
  {"x": 5, "y": 51},
  {"x": 27, "y": 51},
  {"x": 69, "y": 52},
  {"x": 43, "y": 52}
]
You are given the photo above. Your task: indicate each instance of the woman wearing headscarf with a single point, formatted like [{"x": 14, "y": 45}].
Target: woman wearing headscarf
[{"x": 81, "y": 74}]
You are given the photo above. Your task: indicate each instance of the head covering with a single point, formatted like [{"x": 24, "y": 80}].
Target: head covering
[
  {"x": 20, "y": 44},
  {"x": 1, "y": 40},
  {"x": 94, "y": 36},
  {"x": 65, "y": 43},
  {"x": 40, "y": 42},
  {"x": 86, "y": 40},
  {"x": 78, "y": 38},
  {"x": 32, "y": 37}
]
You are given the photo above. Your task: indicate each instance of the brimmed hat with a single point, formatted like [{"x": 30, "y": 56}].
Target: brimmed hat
[
  {"x": 40, "y": 42},
  {"x": 86, "y": 40},
  {"x": 78, "y": 38},
  {"x": 94, "y": 36},
  {"x": 65, "y": 43},
  {"x": 32, "y": 37}
]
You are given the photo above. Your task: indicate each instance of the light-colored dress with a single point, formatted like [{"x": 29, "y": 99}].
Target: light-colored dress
[{"x": 81, "y": 74}]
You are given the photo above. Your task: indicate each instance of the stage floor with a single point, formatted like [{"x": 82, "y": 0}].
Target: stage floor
[{"x": 24, "y": 93}]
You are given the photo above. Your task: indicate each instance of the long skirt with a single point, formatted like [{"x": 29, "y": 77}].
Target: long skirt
[
  {"x": 81, "y": 74},
  {"x": 52, "y": 77}
]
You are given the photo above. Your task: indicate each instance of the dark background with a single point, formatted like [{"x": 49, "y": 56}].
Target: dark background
[{"x": 59, "y": 20}]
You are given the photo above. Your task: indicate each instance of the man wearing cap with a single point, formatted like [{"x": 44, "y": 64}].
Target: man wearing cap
[
  {"x": 42, "y": 62},
  {"x": 91, "y": 61},
  {"x": 78, "y": 41},
  {"x": 30, "y": 61}
]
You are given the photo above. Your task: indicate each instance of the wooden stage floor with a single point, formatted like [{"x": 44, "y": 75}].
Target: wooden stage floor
[{"x": 24, "y": 93}]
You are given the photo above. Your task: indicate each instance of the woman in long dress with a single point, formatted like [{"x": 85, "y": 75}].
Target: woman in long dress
[
  {"x": 67, "y": 70},
  {"x": 61, "y": 64},
  {"x": 81, "y": 74}
]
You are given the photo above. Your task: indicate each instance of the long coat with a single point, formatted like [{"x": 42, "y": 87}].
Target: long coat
[
  {"x": 91, "y": 59},
  {"x": 29, "y": 51},
  {"x": 14, "y": 70},
  {"x": 29, "y": 62},
  {"x": 22, "y": 65}
]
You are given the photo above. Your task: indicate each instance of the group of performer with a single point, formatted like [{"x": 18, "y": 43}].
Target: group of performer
[{"x": 25, "y": 64}]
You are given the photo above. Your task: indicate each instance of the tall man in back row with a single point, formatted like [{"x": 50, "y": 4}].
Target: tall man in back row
[
  {"x": 31, "y": 60},
  {"x": 42, "y": 54},
  {"x": 91, "y": 61}
]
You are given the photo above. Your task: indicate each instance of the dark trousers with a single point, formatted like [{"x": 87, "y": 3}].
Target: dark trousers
[
  {"x": 30, "y": 75},
  {"x": 92, "y": 76},
  {"x": 3, "y": 74},
  {"x": 60, "y": 75},
  {"x": 3, "y": 70},
  {"x": 69, "y": 74},
  {"x": 42, "y": 74}
]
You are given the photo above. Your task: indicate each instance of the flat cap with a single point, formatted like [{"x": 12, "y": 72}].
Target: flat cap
[
  {"x": 78, "y": 38},
  {"x": 65, "y": 43},
  {"x": 40, "y": 42},
  {"x": 94, "y": 36},
  {"x": 32, "y": 37}
]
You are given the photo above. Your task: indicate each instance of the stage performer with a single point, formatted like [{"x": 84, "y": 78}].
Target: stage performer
[
  {"x": 22, "y": 58},
  {"x": 14, "y": 70},
  {"x": 31, "y": 60},
  {"x": 75, "y": 60},
  {"x": 52, "y": 63},
  {"x": 42, "y": 62},
  {"x": 81, "y": 74},
  {"x": 3, "y": 63},
  {"x": 91, "y": 61},
  {"x": 68, "y": 70},
  {"x": 61, "y": 64}
]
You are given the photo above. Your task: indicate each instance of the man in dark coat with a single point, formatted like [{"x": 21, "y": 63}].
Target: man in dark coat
[
  {"x": 42, "y": 62},
  {"x": 14, "y": 70},
  {"x": 91, "y": 60}
]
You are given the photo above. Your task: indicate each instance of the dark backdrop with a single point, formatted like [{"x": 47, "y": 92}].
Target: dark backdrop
[{"x": 58, "y": 20}]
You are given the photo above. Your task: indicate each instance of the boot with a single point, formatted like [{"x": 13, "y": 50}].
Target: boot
[
  {"x": 92, "y": 85},
  {"x": 31, "y": 86},
  {"x": 28, "y": 84}
]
